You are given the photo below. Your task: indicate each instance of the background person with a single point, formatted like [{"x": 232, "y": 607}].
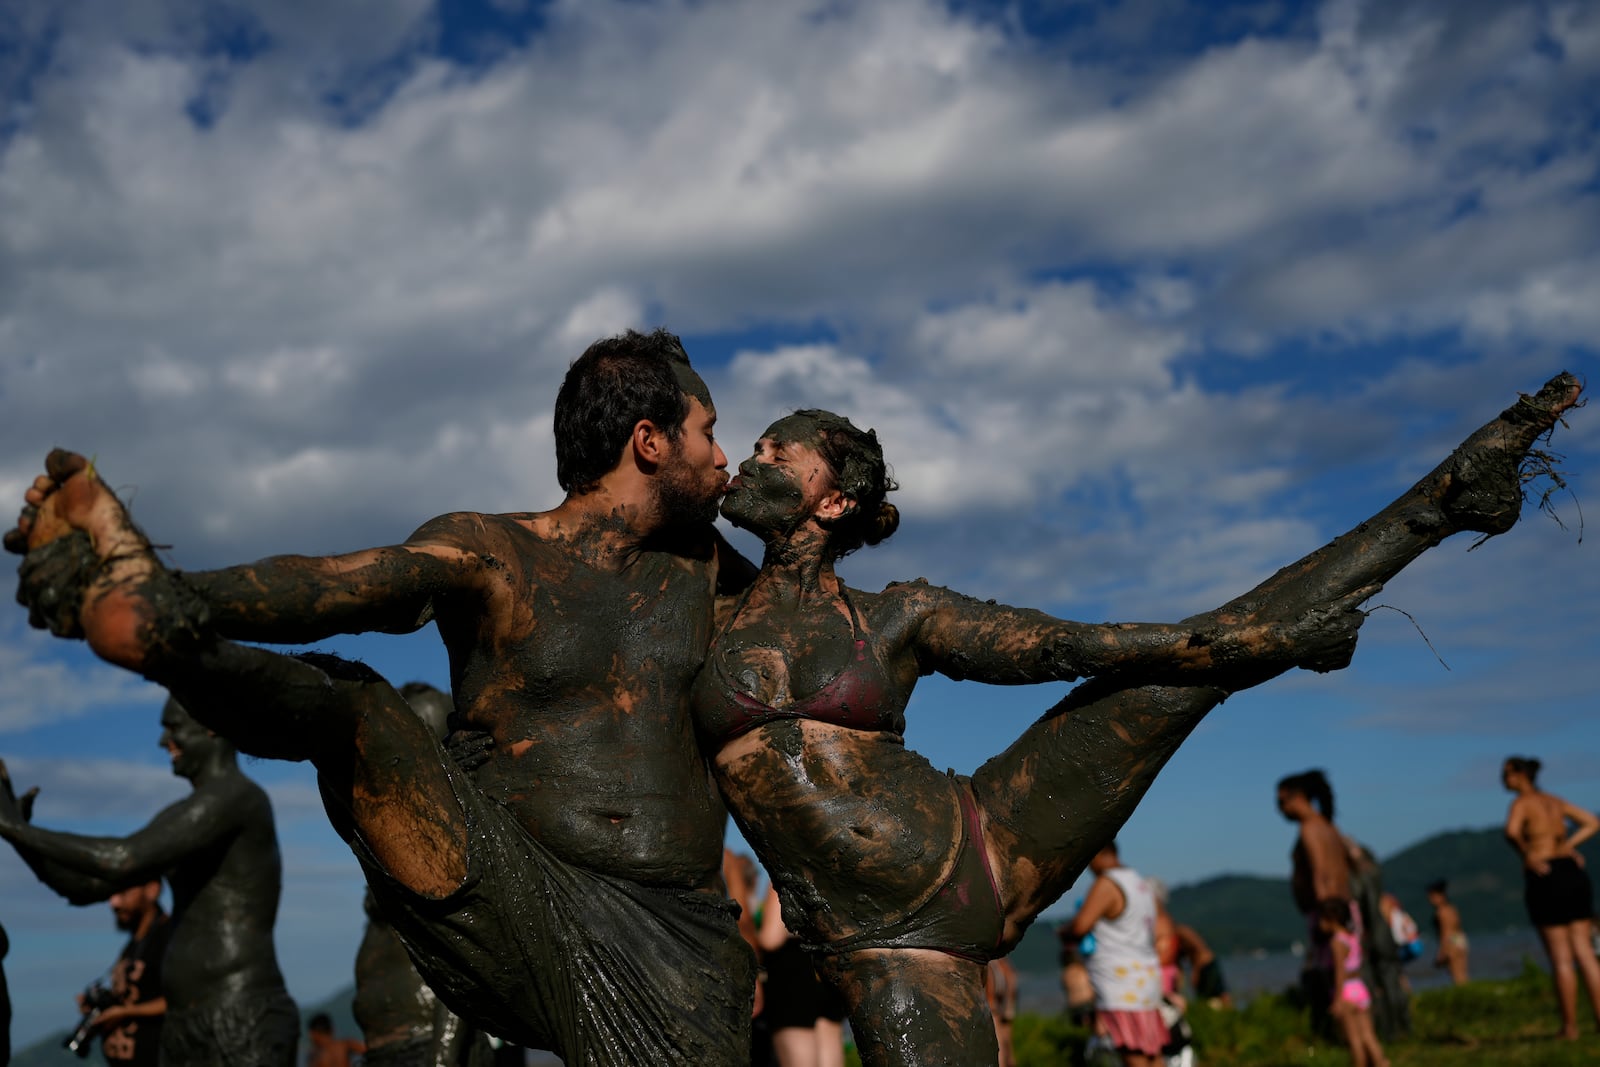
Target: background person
[
  {"x": 1120, "y": 910},
  {"x": 1330, "y": 865},
  {"x": 327, "y": 1048},
  {"x": 1000, "y": 986},
  {"x": 1166, "y": 942},
  {"x": 1351, "y": 1003},
  {"x": 1075, "y": 983},
  {"x": 1556, "y": 888},
  {"x": 218, "y": 849},
  {"x": 804, "y": 1015},
  {"x": 131, "y": 1028},
  {"x": 1382, "y": 965},
  {"x": 1447, "y": 928},
  {"x": 1205, "y": 970},
  {"x": 1319, "y": 870}
]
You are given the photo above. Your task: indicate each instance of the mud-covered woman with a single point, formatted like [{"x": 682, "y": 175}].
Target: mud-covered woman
[{"x": 904, "y": 880}]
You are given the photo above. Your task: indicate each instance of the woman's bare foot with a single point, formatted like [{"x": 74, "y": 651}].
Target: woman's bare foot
[
  {"x": 1479, "y": 488},
  {"x": 126, "y": 585}
]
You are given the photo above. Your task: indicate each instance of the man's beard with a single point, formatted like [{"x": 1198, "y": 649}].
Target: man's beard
[{"x": 683, "y": 496}]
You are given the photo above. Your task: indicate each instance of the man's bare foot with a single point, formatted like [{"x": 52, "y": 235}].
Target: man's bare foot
[{"x": 118, "y": 604}]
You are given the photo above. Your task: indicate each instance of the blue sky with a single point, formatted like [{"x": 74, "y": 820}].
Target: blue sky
[{"x": 1145, "y": 299}]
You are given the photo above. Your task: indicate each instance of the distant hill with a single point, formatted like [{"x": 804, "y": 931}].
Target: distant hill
[{"x": 1239, "y": 913}]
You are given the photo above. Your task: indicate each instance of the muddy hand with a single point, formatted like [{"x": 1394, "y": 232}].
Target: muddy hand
[
  {"x": 13, "y": 811},
  {"x": 1324, "y": 638},
  {"x": 469, "y": 749},
  {"x": 52, "y": 580}
]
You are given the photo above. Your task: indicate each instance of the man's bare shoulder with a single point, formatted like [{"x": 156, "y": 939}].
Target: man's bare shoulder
[
  {"x": 1323, "y": 837},
  {"x": 471, "y": 531}
]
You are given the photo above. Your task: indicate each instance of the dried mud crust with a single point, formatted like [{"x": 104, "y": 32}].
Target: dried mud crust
[{"x": 90, "y": 572}]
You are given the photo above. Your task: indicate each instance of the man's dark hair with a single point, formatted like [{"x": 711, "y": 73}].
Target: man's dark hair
[
  {"x": 1439, "y": 886},
  {"x": 608, "y": 390},
  {"x": 1314, "y": 786},
  {"x": 321, "y": 1022},
  {"x": 1525, "y": 765}
]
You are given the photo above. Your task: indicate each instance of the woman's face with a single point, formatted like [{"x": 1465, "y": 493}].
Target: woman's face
[
  {"x": 779, "y": 486},
  {"x": 1291, "y": 805}
]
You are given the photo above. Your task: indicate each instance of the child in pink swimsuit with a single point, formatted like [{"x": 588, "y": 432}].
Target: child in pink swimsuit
[{"x": 1351, "y": 1000}]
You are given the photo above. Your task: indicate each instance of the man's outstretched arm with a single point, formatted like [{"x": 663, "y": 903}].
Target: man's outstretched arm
[
  {"x": 296, "y": 599},
  {"x": 285, "y": 599},
  {"x": 87, "y": 869}
]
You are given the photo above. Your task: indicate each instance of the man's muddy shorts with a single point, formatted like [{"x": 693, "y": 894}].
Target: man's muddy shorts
[
  {"x": 601, "y": 970},
  {"x": 239, "y": 1030}
]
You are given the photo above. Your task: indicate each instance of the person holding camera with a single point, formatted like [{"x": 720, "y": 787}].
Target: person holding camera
[{"x": 127, "y": 1016}]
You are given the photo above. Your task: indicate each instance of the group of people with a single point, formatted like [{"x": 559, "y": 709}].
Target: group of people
[
  {"x": 1352, "y": 978},
  {"x": 623, "y": 679}
]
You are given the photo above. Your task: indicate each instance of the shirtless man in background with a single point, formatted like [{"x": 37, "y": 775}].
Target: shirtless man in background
[
  {"x": 1321, "y": 871},
  {"x": 1559, "y": 896}
]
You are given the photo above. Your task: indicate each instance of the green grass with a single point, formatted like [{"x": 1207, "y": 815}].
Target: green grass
[{"x": 1509, "y": 1023}]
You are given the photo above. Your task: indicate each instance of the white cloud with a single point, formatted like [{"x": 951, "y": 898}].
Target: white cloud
[
  {"x": 43, "y": 681},
  {"x": 96, "y": 790}
]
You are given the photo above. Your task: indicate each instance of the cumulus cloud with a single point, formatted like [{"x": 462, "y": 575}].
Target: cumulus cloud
[
  {"x": 42, "y": 681},
  {"x": 259, "y": 312}
]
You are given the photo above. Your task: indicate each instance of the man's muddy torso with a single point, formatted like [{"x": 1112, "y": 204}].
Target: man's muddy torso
[
  {"x": 581, "y": 673},
  {"x": 225, "y": 903}
]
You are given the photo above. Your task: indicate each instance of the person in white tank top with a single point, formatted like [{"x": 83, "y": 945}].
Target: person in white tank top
[{"x": 1120, "y": 910}]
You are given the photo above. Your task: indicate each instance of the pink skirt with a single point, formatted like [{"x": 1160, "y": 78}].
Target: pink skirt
[{"x": 1138, "y": 1031}]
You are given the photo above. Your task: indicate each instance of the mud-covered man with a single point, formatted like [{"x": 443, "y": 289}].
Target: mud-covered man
[
  {"x": 568, "y": 894},
  {"x": 218, "y": 849}
]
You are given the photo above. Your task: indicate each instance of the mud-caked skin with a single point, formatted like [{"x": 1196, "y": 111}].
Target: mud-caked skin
[
  {"x": 573, "y": 635},
  {"x": 575, "y": 655},
  {"x": 869, "y": 844},
  {"x": 218, "y": 850}
]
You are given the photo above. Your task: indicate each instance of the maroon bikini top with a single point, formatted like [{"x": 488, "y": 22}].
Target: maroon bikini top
[{"x": 862, "y": 696}]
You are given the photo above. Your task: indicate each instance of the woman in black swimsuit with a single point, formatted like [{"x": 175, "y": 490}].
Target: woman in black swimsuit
[{"x": 904, "y": 880}]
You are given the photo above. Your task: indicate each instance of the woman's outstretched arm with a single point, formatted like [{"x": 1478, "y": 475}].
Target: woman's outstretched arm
[{"x": 965, "y": 638}]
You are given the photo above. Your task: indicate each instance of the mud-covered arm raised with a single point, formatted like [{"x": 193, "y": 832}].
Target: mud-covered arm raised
[
  {"x": 87, "y": 869},
  {"x": 296, "y": 599},
  {"x": 965, "y": 638}
]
